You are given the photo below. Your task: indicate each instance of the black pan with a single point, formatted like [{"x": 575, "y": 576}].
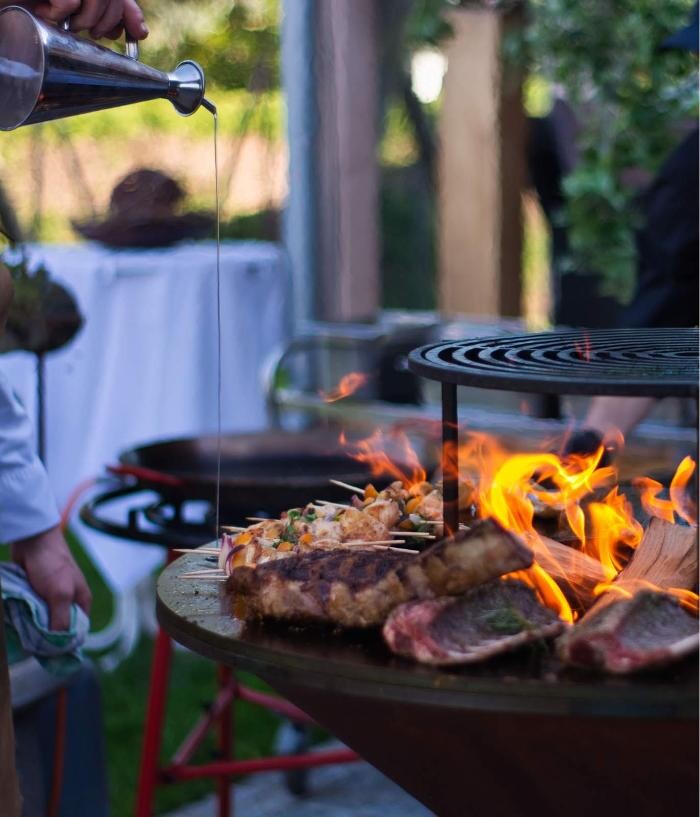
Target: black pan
[{"x": 267, "y": 471}]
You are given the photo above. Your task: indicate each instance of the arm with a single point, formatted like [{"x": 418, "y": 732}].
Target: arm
[
  {"x": 102, "y": 18},
  {"x": 29, "y": 518}
]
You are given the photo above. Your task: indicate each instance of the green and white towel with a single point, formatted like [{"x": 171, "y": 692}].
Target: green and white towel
[{"x": 27, "y": 626}]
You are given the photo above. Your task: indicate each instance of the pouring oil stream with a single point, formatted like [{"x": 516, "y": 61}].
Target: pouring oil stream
[{"x": 212, "y": 110}]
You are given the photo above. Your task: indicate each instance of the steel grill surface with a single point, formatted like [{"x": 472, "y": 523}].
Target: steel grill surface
[{"x": 633, "y": 362}]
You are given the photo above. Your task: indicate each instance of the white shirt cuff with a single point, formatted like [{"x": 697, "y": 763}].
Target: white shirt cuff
[{"x": 27, "y": 504}]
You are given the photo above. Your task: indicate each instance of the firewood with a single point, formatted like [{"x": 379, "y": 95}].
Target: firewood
[
  {"x": 667, "y": 556},
  {"x": 609, "y": 636}
]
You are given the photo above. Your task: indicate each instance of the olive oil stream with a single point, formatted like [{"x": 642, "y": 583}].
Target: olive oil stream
[{"x": 212, "y": 110}]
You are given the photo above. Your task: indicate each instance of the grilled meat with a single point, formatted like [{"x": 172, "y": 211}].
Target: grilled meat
[
  {"x": 494, "y": 618},
  {"x": 650, "y": 629},
  {"x": 360, "y": 589}
]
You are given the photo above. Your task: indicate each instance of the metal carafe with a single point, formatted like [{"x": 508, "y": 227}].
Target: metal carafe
[{"x": 48, "y": 73}]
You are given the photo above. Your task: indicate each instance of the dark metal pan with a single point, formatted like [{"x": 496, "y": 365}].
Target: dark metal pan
[{"x": 270, "y": 470}]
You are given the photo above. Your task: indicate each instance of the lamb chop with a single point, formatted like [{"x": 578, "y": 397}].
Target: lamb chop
[
  {"x": 360, "y": 589},
  {"x": 494, "y": 618},
  {"x": 647, "y": 630}
]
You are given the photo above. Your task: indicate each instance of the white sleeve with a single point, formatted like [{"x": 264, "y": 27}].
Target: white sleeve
[{"x": 27, "y": 505}]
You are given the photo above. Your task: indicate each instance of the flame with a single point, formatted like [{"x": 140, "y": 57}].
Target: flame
[
  {"x": 347, "y": 386},
  {"x": 547, "y": 589},
  {"x": 678, "y": 503},
  {"x": 402, "y": 465},
  {"x": 613, "y": 527},
  {"x": 515, "y": 488},
  {"x": 583, "y": 350},
  {"x": 628, "y": 587},
  {"x": 684, "y": 505}
]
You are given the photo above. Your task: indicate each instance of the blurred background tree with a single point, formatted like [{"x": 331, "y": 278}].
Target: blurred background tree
[{"x": 630, "y": 98}]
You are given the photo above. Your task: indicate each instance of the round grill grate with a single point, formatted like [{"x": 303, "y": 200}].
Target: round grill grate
[{"x": 631, "y": 362}]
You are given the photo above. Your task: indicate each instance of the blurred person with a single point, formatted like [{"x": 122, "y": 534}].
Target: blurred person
[
  {"x": 29, "y": 519},
  {"x": 101, "y": 18},
  {"x": 668, "y": 265}
]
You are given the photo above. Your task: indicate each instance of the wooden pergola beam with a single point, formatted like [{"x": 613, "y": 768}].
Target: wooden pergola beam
[{"x": 481, "y": 169}]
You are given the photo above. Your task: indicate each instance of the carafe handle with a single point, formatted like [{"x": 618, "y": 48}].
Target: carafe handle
[{"x": 131, "y": 46}]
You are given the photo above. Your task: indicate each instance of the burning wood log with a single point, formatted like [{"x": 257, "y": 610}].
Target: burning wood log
[{"x": 640, "y": 622}]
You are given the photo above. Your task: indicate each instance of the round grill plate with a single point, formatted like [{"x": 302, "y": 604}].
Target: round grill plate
[{"x": 627, "y": 362}]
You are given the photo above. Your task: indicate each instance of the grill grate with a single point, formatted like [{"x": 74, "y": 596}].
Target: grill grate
[{"x": 626, "y": 362}]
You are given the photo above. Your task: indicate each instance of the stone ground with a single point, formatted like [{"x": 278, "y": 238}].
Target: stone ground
[{"x": 350, "y": 790}]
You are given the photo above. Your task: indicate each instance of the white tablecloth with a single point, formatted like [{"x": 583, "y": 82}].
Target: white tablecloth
[{"x": 144, "y": 366}]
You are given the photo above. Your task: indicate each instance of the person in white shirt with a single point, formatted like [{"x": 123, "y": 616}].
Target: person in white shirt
[{"x": 29, "y": 520}]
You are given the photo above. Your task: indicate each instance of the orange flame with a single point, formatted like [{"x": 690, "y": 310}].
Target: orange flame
[
  {"x": 684, "y": 505},
  {"x": 628, "y": 587},
  {"x": 583, "y": 350},
  {"x": 346, "y": 387},
  {"x": 678, "y": 503},
  {"x": 514, "y": 488},
  {"x": 403, "y": 464},
  {"x": 612, "y": 526}
]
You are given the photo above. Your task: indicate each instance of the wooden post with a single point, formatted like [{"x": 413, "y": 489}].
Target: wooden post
[
  {"x": 348, "y": 178},
  {"x": 481, "y": 169}
]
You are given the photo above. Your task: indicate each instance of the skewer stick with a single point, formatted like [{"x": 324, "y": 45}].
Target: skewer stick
[
  {"x": 204, "y": 572},
  {"x": 331, "y": 504},
  {"x": 236, "y": 528},
  {"x": 196, "y": 551},
  {"x": 413, "y": 534},
  {"x": 203, "y": 578},
  {"x": 378, "y": 542},
  {"x": 259, "y": 519},
  {"x": 347, "y": 485}
]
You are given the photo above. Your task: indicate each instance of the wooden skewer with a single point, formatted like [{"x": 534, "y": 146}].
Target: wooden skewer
[
  {"x": 378, "y": 542},
  {"x": 203, "y": 578},
  {"x": 195, "y": 551},
  {"x": 259, "y": 519},
  {"x": 347, "y": 485},
  {"x": 209, "y": 572},
  {"x": 415, "y": 534},
  {"x": 237, "y": 528},
  {"x": 331, "y": 504},
  {"x": 375, "y": 546}
]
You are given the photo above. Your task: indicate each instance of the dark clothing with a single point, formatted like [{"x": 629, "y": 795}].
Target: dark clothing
[
  {"x": 10, "y": 802},
  {"x": 667, "y": 245}
]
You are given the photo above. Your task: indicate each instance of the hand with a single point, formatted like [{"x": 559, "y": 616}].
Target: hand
[
  {"x": 102, "y": 18},
  {"x": 53, "y": 574}
]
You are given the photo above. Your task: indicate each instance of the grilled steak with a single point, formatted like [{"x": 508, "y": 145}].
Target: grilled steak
[
  {"x": 494, "y": 618},
  {"x": 360, "y": 588},
  {"x": 648, "y": 630}
]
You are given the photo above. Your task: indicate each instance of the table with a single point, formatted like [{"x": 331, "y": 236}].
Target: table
[
  {"x": 144, "y": 366},
  {"x": 506, "y": 737}
]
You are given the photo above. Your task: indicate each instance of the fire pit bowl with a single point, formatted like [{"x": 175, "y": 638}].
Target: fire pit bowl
[{"x": 518, "y": 735}]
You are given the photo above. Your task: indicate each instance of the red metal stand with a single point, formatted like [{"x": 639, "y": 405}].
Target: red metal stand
[{"x": 220, "y": 716}]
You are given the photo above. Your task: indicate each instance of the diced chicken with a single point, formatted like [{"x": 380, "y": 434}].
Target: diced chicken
[
  {"x": 358, "y": 525},
  {"x": 387, "y": 511}
]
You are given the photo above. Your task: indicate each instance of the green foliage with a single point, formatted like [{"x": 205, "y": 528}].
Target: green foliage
[
  {"x": 236, "y": 42},
  {"x": 629, "y": 97}
]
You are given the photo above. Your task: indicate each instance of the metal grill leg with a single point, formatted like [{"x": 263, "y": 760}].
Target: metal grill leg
[
  {"x": 225, "y": 732},
  {"x": 450, "y": 464},
  {"x": 155, "y": 718}
]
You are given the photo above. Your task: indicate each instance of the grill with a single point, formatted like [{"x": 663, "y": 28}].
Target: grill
[
  {"x": 623, "y": 362},
  {"x": 520, "y": 734},
  {"x": 628, "y": 362}
]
